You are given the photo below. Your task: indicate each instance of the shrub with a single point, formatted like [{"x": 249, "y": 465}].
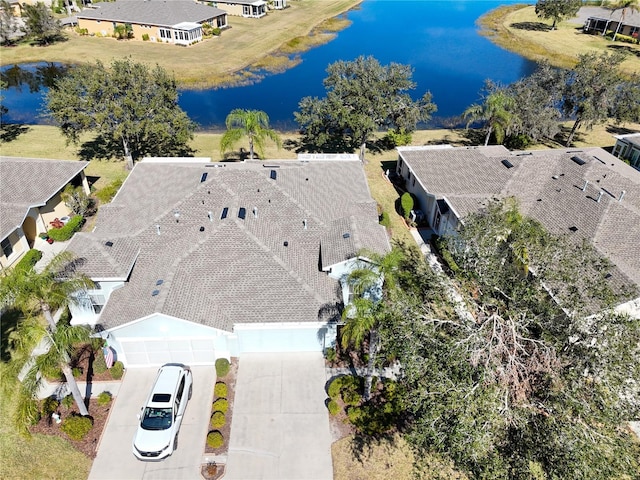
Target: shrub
[
  {"x": 77, "y": 372},
  {"x": 333, "y": 407},
  {"x": 107, "y": 193},
  {"x": 222, "y": 367},
  {"x": 29, "y": 260},
  {"x": 145, "y": 37},
  {"x": 385, "y": 221},
  {"x": 330, "y": 354},
  {"x": 76, "y": 426},
  {"x": 354, "y": 414},
  {"x": 407, "y": 203},
  {"x": 335, "y": 386},
  {"x": 104, "y": 399},
  {"x": 99, "y": 366},
  {"x": 218, "y": 419},
  {"x": 78, "y": 201},
  {"x": 446, "y": 256},
  {"x": 68, "y": 401},
  {"x": 216, "y": 31},
  {"x": 351, "y": 397},
  {"x": 65, "y": 233},
  {"x": 82, "y": 31},
  {"x": 49, "y": 406},
  {"x": 215, "y": 439},
  {"x": 517, "y": 142},
  {"x": 117, "y": 370},
  {"x": 220, "y": 390},
  {"x": 220, "y": 405},
  {"x": 396, "y": 138}
]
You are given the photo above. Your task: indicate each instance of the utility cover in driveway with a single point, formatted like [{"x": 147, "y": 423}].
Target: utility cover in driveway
[{"x": 280, "y": 428}]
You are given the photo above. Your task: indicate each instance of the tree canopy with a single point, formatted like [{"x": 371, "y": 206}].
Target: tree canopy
[
  {"x": 557, "y": 10},
  {"x": 362, "y": 97},
  {"x": 128, "y": 104},
  {"x": 495, "y": 112},
  {"x": 40, "y": 24},
  {"x": 253, "y": 124}
]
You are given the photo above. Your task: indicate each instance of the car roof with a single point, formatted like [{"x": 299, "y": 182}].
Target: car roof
[{"x": 166, "y": 383}]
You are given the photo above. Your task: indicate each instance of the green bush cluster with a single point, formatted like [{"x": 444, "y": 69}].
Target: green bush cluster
[
  {"x": 222, "y": 367},
  {"x": 348, "y": 386},
  {"x": 82, "y": 31},
  {"x": 29, "y": 260},
  {"x": 218, "y": 419},
  {"x": 215, "y": 439},
  {"x": 117, "y": 370},
  {"x": 334, "y": 387},
  {"x": 330, "y": 354},
  {"x": 145, "y": 37},
  {"x": 99, "y": 366},
  {"x": 441, "y": 245},
  {"x": 104, "y": 399},
  {"x": 49, "y": 406},
  {"x": 407, "y": 203},
  {"x": 396, "y": 138},
  {"x": 333, "y": 407},
  {"x": 385, "y": 221},
  {"x": 76, "y": 426},
  {"x": 220, "y": 390},
  {"x": 220, "y": 405},
  {"x": 65, "y": 233},
  {"x": 68, "y": 401},
  {"x": 77, "y": 372},
  {"x": 107, "y": 193},
  {"x": 626, "y": 39}
]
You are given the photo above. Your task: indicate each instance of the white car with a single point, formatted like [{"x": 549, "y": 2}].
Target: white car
[{"x": 161, "y": 416}]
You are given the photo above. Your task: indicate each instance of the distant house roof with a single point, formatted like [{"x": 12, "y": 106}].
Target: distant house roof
[
  {"x": 260, "y": 263},
  {"x": 631, "y": 17},
  {"x": 30, "y": 182},
  {"x": 548, "y": 185},
  {"x": 151, "y": 12},
  {"x": 255, "y": 3},
  {"x": 630, "y": 139}
]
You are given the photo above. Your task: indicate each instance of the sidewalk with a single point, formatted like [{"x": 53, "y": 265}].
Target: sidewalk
[{"x": 49, "y": 250}]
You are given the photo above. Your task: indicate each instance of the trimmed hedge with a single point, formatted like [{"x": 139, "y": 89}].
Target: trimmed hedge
[
  {"x": 65, "y": 233},
  {"x": 333, "y": 407},
  {"x": 215, "y": 439},
  {"x": 220, "y": 405},
  {"x": 218, "y": 420},
  {"x": 334, "y": 387},
  {"x": 29, "y": 260},
  {"x": 222, "y": 367},
  {"x": 117, "y": 370},
  {"x": 68, "y": 401},
  {"x": 104, "y": 399},
  {"x": 107, "y": 193},
  {"x": 76, "y": 426},
  {"x": 220, "y": 390},
  {"x": 407, "y": 203},
  {"x": 385, "y": 221}
]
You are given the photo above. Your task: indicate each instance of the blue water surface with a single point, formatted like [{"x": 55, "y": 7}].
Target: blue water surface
[{"x": 439, "y": 39}]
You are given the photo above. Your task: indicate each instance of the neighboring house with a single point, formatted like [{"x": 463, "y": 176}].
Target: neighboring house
[
  {"x": 584, "y": 193},
  {"x": 602, "y": 20},
  {"x": 195, "y": 261},
  {"x": 175, "y": 21},
  {"x": 627, "y": 147},
  {"x": 30, "y": 198},
  {"x": 244, "y": 8}
]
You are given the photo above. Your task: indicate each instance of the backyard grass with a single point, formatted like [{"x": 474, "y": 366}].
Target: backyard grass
[
  {"x": 216, "y": 61},
  {"x": 517, "y": 28}
]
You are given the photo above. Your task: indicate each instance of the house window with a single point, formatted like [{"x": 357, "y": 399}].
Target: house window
[
  {"x": 97, "y": 303},
  {"x": 246, "y": 10},
  {"x": 7, "y": 248}
]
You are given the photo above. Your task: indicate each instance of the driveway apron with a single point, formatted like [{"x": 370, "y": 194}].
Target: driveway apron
[
  {"x": 280, "y": 427},
  {"x": 115, "y": 459}
]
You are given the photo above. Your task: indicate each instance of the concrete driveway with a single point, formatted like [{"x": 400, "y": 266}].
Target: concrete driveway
[
  {"x": 115, "y": 459},
  {"x": 280, "y": 427}
]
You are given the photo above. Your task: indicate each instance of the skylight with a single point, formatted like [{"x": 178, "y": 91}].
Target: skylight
[
  {"x": 242, "y": 212},
  {"x": 204, "y": 177},
  {"x": 225, "y": 212}
]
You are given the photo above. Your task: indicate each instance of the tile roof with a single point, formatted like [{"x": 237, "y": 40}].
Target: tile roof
[
  {"x": 30, "y": 182},
  {"x": 548, "y": 185},
  {"x": 235, "y": 270},
  {"x": 151, "y": 12}
]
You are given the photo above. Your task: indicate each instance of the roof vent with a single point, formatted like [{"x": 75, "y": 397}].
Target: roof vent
[
  {"x": 584, "y": 187},
  {"x": 155, "y": 293},
  {"x": 346, "y": 235},
  {"x": 204, "y": 177},
  {"x": 304, "y": 223},
  {"x": 599, "y": 196},
  {"x": 109, "y": 243},
  {"x": 573, "y": 229},
  {"x": 159, "y": 282},
  {"x": 578, "y": 160},
  {"x": 286, "y": 244},
  {"x": 202, "y": 229},
  {"x": 273, "y": 175},
  {"x": 507, "y": 163},
  {"x": 255, "y": 212},
  {"x": 210, "y": 215},
  {"x": 158, "y": 229},
  {"x": 622, "y": 195}
]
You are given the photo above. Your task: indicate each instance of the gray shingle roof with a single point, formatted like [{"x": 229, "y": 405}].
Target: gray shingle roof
[
  {"x": 548, "y": 185},
  {"x": 152, "y": 12},
  {"x": 236, "y": 270},
  {"x": 30, "y": 182}
]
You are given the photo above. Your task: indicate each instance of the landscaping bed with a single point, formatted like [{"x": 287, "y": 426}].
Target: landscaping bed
[{"x": 230, "y": 380}]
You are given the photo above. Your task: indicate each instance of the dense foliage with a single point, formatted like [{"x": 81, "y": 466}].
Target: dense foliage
[
  {"x": 253, "y": 124},
  {"x": 362, "y": 97},
  {"x": 557, "y": 10},
  {"x": 40, "y": 24},
  {"x": 519, "y": 378},
  {"x": 128, "y": 105}
]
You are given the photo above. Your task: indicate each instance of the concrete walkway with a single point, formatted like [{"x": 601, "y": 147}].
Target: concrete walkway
[{"x": 280, "y": 426}]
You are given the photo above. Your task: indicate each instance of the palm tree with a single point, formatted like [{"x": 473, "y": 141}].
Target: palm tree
[
  {"x": 51, "y": 289},
  {"x": 624, "y": 5},
  {"x": 250, "y": 123},
  {"x": 495, "y": 112}
]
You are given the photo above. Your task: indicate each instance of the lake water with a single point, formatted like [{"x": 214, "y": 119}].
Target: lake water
[{"x": 439, "y": 39}]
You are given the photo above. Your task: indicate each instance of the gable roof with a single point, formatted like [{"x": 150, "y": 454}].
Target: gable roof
[
  {"x": 152, "y": 12},
  {"x": 549, "y": 187},
  {"x": 217, "y": 271},
  {"x": 631, "y": 17},
  {"x": 30, "y": 182}
]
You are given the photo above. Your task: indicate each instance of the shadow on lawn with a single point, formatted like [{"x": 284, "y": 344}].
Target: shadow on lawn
[
  {"x": 10, "y": 131},
  {"x": 532, "y": 26}
]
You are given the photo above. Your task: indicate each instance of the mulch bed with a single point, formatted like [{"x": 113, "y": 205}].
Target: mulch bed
[
  {"x": 230, "y": 380},
  {"x": 89, "y": 444}
]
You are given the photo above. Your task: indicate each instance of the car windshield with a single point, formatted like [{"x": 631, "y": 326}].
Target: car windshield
[{"x": 156, "y": 418}]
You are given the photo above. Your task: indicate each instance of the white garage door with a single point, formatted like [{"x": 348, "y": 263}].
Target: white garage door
[
  {"x": 283, "y": 338},
  {"x": 152, "y": 352}
]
